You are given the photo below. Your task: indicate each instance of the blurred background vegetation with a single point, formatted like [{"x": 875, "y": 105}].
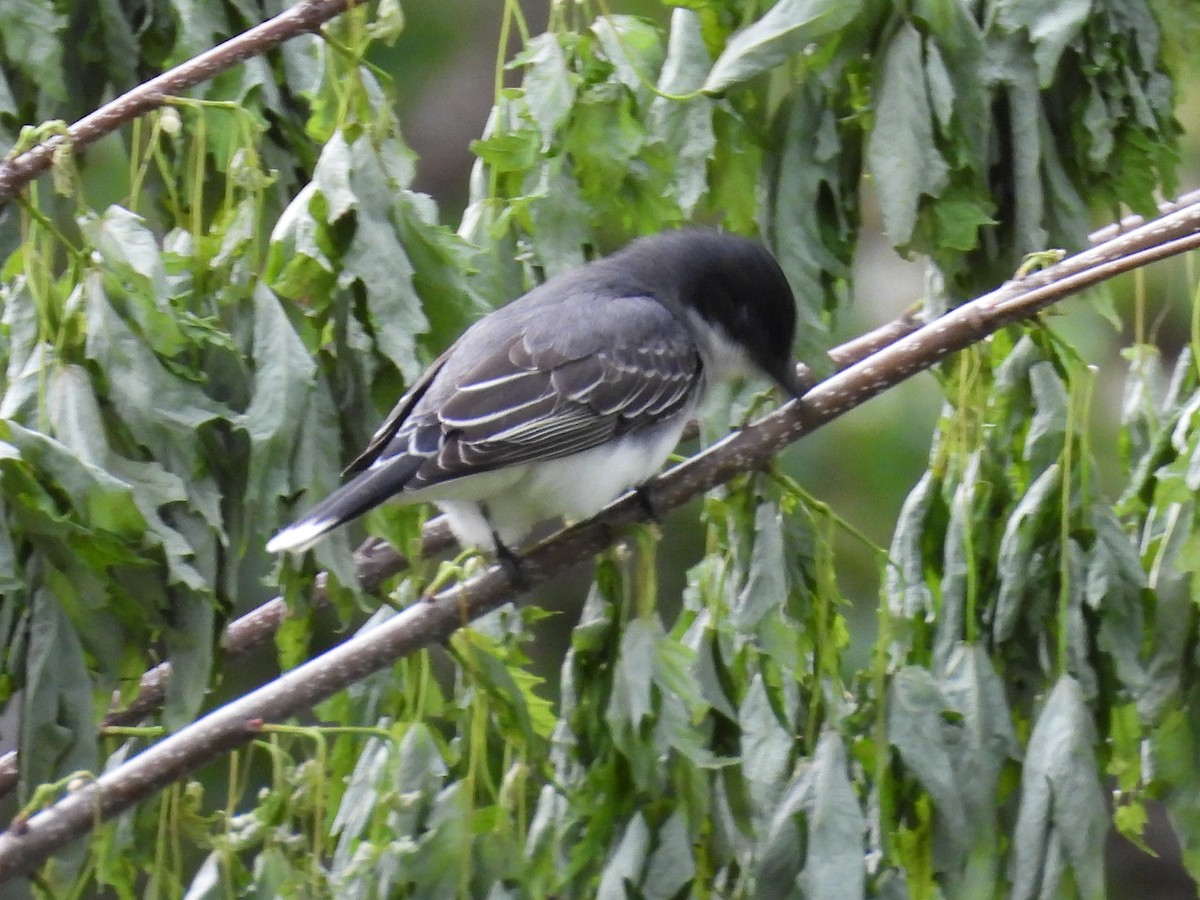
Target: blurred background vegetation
[{"x": 440, "y": 73}]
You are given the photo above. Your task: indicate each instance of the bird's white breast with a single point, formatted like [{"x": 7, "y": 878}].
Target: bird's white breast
[{"x": 572, "y": 487}]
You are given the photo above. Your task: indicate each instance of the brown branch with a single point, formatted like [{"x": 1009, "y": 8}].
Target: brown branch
[
  {"x": 377, "y": 561},
  {"x": 306, "y": 16},
  {"x": 30, "y": 842}
]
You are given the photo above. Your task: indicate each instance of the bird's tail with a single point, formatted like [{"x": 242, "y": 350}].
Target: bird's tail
[{"x": 354, "y": 498}]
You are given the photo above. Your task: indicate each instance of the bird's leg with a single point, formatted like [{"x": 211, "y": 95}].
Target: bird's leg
[
  {"x": 506, "y": 557},
  {"x": 646, "y": 501},
  {"x": 511, "y": 563}
]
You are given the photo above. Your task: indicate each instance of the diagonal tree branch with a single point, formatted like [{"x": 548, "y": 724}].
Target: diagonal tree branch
[
  {"x": 433, "y": 619},
  {"x": 306, "y": 16},
  {"x": 377, "y": 561}
]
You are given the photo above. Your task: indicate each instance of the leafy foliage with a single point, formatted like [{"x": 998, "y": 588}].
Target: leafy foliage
[{"x": 202, "y": 322}]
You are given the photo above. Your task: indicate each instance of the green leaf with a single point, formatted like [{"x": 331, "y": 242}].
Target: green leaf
[
  {"x": 633, "y": 677},
  {"x": 766, "y": 588},
  {"x": 1175, "y": 749},
  {"x": 959, "y": 217},
  {"x": 510, "y": 688},
  {"x": 787, "y": 28},
  {"x": 376, "y": 258},
  {"x": 58, "y": 733},
  {"x": 903, "y": 156},
  {"x": 161, "y": 410},
  {"x": 632, "y": 45},
  {"x": 549, "y": 85},
  {"x": 283, "y": 381},
  {"x": 129, "y": 253},
  {"x": 32, "y": 43},
  {"x": 79, "y": 425},
  {"x": 100, "y": 501},
  {"x": 927, "y": 743},
  {"x": 908, "y": 594},
  {"x": 560, "y": 219},
  {"x": 1051, "y": 24},
  {"x": 190, "y": 641},
  {"x": 1047, "y": 429},
  {"x": 1062, "y": 802},
  {"x": 684, "y": 126},
  {"x": 624, "y": 867},
  {"x": 1024, "y": 533},
  {"x": 299, "y": 264}
]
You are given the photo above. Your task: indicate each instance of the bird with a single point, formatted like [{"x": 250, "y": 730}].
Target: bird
[{"x": 552, "y": 406}]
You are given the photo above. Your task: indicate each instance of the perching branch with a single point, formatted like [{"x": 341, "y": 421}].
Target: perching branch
[
  {"x": 431, "y": 620},
  {"x": 306, "y": 16}
]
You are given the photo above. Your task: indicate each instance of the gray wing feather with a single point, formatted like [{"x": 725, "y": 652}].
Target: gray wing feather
[{"x": 533, "y": 395}]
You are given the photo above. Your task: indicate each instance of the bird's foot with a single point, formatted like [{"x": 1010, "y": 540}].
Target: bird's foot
[
  {"x": 512, "y": 565},
  {"x": 645, "y": 500}
]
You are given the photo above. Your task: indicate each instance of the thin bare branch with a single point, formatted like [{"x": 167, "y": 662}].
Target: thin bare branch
[
  {"x": 306, "y": 16},
  {"x": 28, "y": 843}
]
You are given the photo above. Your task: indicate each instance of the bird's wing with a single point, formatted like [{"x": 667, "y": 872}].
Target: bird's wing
[
  {"x": 386, "y": 432},
  {"x": 532, "y": 398}
]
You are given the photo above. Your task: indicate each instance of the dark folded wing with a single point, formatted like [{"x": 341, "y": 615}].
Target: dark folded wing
[
  {"x": 395, "y": 421},
  {"x": 530, "y": 399}
]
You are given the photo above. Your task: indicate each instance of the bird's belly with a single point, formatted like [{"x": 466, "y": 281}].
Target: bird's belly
[
  {"x": 579, "y": 486},
  {"x": 572, "y": 487}
]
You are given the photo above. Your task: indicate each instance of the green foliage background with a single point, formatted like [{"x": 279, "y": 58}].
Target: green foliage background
[{"x": 207, "y": 313}]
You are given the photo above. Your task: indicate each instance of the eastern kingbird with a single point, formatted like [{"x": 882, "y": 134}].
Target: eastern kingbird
[{"x": 555, "y": 404}]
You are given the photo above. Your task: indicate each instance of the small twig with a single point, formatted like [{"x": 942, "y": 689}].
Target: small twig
[
  {"x": 435, "y": 618},
  {"x": 304, "y": 17}
]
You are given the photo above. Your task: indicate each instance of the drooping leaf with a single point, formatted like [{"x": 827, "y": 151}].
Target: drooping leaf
[
  {"x": 1062, "y": 821},
  {"x": 684, "y": 126},
  {"x": 904, "y": 158},
  {"x": 926, "y": 742},
  {"x": 1023, "y": 534},
  {"x": 58, "y": 732},
  {"x": 787, "y": 28}
]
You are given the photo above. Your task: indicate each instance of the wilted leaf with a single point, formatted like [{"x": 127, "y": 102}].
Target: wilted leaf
[
  {"x": 904, "y": 158},
  {"x": 632, "y": 46},
  {"x": 684, "y": 126},
  {"x": 283, "y": 381},
  {"x": 58, "y": 732},
  {"x": 917, "y": 728},
  {"x": 908, "y": 594},
  {"x": 624, "y": 867},
  {"x": 1051, "y": 25},
  {"x": 788, "y": 27},
  {"x": 549, "y": 85},
  {"x": 1061, "y": 801},
  {"x": 1047, "y": 430},
  {"x": 957, "y": 559},
  {"x": 766, "y": 745},
  {"x": 765, "y": 590},
  {"x": 1023, "y": 534},
  {"x": 671, "y": 866}
]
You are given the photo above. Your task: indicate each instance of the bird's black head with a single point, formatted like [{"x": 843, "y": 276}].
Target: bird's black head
[{"x": 733, "y": 284}]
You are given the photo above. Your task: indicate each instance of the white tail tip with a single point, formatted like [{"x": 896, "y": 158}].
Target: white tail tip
[{"x": 299, "y": 537}]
